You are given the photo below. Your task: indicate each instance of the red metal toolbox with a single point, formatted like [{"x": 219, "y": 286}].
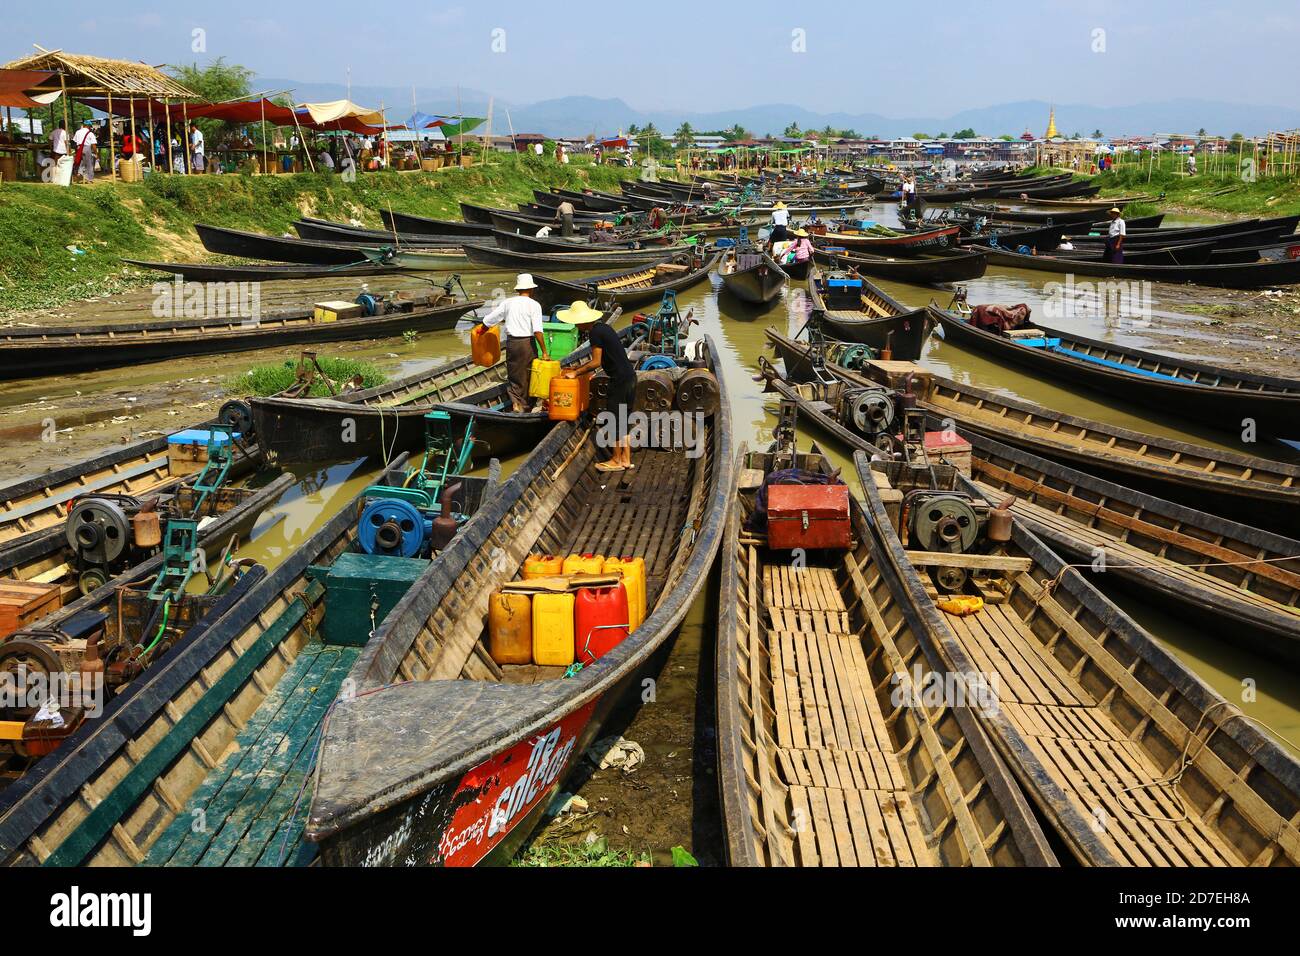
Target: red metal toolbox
[{"x": 808, "y": 516}]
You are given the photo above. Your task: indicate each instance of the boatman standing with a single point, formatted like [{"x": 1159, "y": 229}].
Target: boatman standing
[
  {"x": 520, "y": 318},
  {"x": 607, "y": 352},
  {"x": 564, "y": 215},
  {"x": 1115, "y": 238},
  {"x": 780, "y": 220}
]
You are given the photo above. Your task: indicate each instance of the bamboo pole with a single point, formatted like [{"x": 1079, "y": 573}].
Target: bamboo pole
[
  {"x": 185, "y": 137},
  {"x": 135, "y": 138},
  {"x": 171, "y": 160},
  {"x": 153, "y": 133},
  {"x": 302, "y": 138},
  {"x": 112, "y": 166},
  {"x": 262, "y": 106}
]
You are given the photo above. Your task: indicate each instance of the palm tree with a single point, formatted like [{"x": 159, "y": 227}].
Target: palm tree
[{"x": 685, "y": 136}]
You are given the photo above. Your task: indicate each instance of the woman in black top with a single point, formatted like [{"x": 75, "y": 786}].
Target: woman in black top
[{"x": 607, "y": 352}]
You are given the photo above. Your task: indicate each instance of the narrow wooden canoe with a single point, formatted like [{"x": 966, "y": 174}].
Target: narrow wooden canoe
[
  {"x": 806, "y": 718},
  {"x": 924, "y": 241},
  {"x": 1197, "y": 565},
  {"x": 1252, "y": 275},
  {"x": 865, "y": 313},
  {"x": 254, "y": 245},
  {"x": 423, "y": 226},
  {"x": 1131, "y": 758},
  {"x": 1203, "y": 393},
  {"x": 647, "y": 247},
  {"x": 379, "y": 423},
  {"x": 326, "y": 231},
  {"x": 38, "y": 505},
  {"x": 243, "y": 698},
  {"x": 626, "y": 289},
  {"x": 1254, "y": 490},
  {"x": 752, "y": 277},
  {"x": 444, "y": 757},
  {"x": 262, "y": 271},
  {"x": 580, "y": 258},
  {"x": 923, "y": 270},
  {"x": 59, "y": 350}
]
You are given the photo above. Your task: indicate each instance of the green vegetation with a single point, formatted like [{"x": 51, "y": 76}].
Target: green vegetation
[
  {"x": 1222, "y": 184},
  {"x": 154, "y": 219},
  {"x": 577, "y": 853},
  {"x": 269, "y": 379}
]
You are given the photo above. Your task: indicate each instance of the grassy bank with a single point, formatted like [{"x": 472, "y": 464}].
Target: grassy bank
[
  {"x": 1223, "y": 191},
  {"x": 154, "y": 219}
]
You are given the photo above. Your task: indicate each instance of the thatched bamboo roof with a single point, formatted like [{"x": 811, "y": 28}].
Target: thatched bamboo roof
[{"x": 95, "y": 76}]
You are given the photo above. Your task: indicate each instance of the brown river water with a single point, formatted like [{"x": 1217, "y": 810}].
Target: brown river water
[{"x": 672, "y": 799}]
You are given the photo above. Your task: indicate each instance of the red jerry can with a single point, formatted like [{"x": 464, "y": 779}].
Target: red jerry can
[
  {"x": 808, "y": 516},
  {"x": 600, "y": 622}
]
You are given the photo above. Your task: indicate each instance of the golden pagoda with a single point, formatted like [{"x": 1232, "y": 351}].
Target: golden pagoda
[{"x": 1051, "y": 125}]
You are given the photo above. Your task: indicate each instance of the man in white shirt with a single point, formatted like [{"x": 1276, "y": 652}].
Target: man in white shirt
[
  {"x": 537, "y": 148},
  {"x": 59, "y": 141},
  {"x": 1115, "y": 238},
  {"x": 84, "y": 139},
  {"x": 780, "y": 220},
  {"x": 196, "y": 147},
  {"x": 520, "y": 319}
]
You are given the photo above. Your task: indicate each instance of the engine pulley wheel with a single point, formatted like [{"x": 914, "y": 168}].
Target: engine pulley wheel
[{"x": 98, "y": 530}]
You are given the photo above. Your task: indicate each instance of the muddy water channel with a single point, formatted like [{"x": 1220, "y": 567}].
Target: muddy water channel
[{"x": 671, "y": 799}]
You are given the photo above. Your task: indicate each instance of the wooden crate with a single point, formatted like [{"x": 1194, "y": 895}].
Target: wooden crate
[
  {"x": 24, "y": 602},
  {"x": 337, "y": 309}
]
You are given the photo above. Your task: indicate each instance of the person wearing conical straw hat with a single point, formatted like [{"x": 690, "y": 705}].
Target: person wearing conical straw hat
[
  {"x": 1115, "y": 237},
  {"x": 609, "y": 353},
  {"x": 520, "y": 318},
  {"x": 780, "y": 223}
]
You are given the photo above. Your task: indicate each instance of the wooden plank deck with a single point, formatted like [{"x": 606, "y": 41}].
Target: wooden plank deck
[
  {"x": 1120, "y": 552},
  {"x": 251, "y": 807},
  {"x": 849, "y": 802},
  {"x": 1107, "y": 776}
]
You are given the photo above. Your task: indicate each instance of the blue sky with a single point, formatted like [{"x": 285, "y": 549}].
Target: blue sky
[{"x": 930, "y": 57}]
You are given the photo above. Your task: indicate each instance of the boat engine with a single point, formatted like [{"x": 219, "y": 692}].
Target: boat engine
[
  {"x": 870, "y": 411},
  {"x": 394, "y": 527},
  {"x": 109, "y": 533},
  {"x": 945, "y": 521}
]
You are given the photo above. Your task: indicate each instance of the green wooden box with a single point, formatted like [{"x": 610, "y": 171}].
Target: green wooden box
[{"x": 355, "y": 582}]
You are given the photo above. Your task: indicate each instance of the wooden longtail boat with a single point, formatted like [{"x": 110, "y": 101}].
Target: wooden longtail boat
[
  {"x": 41, "y": 552},
  {"x": 380, "y": 422},
  {"x": 58, "y": 350},
  {"x": 923, "y": 270},
  {"x": 223, "y": 724},
  {"x": 926, "y": 241},
  {"x": 1252, "y": 275},
  {"x": 499, "y": 258},
  {"x": 1256, "y": 490},
  {"x": 325, "y": 231},
  {"x": 254, "y": 245},
  {"x": 1198, "y": 565},
  {"x": 262, "y": 271},
  {"x": 647, "y": 246},
  {"x": 817, "y": 764},
  {"x": 423, "y": 226},
  {"x": 38, "y": 505},
  {"x": 1194, "y": 564},
  {"x": 752, "y": 277},
  {"x": 854, "y": 309},
  {"x": 1096, "y": 720},
  {"x": 444, "y": 757},
  {"x": 637, "y": 286},
  {"x": 1204, "y": 393}
]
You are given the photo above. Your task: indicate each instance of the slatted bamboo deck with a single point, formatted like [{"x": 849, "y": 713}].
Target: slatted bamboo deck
[{"x": 250, "y": 809}]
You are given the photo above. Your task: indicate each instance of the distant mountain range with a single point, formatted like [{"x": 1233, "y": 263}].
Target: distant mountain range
[{"x": 580, "y": 115}]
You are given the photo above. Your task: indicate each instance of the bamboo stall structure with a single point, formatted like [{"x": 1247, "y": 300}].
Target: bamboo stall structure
[{"x": 81, "y": 75}]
